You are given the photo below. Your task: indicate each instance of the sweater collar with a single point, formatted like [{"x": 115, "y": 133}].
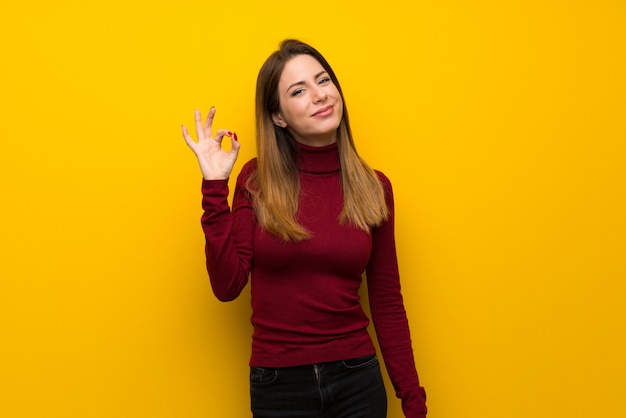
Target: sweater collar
[{"x": 318, "y": 160}]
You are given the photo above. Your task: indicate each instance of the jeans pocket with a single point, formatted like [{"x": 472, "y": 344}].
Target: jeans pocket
[
  {"x": 261, "y": 376},
  {"x": 360, "y": 362}
]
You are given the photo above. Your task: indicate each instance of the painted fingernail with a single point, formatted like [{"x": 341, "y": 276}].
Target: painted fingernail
[
  {"x": 235, "y": 136},
  {"x": 229, "y": 133}
]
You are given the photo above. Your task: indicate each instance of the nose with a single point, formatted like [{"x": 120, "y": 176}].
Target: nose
[{"x": 319, "y": 94}]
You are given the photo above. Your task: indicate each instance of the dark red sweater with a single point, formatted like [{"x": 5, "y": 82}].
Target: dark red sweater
[{"x": 305, "y": 300}]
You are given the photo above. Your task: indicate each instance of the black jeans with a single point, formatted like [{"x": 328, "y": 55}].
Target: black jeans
[{"x": 343, "y": 389}]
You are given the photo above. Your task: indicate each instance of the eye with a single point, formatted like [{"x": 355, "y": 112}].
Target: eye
[
  {"x": 296, "y": 92},
  {"x": 324, "y": 80}
]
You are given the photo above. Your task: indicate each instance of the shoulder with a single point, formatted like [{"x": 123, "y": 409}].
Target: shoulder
[
  {"x": 249, "y": 167},
  {"x": 247, "y": 170},
  {"x": 387, "y": 188},
  {"x": 382, "y": 177},
  {"x": 384, "y": 181}
]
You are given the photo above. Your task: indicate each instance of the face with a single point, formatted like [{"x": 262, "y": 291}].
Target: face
[{"x": 310, "y": 104}]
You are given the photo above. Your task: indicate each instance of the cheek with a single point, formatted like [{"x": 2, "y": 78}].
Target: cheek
[
  {"x": 340, "y": 107},
  {"x": 339, "y": 101},
  {"x": 294, "y": 109}
]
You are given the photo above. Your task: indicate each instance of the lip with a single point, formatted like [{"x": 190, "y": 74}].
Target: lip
[{"x": 325, "y": 111}]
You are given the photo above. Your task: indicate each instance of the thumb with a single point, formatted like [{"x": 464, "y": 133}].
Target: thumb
[{"x": 234, "y": 142}]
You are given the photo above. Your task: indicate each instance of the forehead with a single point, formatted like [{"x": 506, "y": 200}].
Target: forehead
[{"x": 300, "y": 68}]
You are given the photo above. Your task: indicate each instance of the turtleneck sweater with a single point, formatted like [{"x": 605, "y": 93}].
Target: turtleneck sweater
[{"x": 305, "y": 296}]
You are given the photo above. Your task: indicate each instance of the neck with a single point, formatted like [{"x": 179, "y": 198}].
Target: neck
[
  {"x": 318, "y": 159},
  {"x": 321, "y": 140}
]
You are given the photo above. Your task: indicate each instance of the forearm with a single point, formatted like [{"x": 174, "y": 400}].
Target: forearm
[{"x": 228, "y": 240}]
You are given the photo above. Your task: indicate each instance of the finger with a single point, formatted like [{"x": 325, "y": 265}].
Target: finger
[
  {"x": 190, "y": 142},
  {"x": 198, "y": 121},
  {"x": 235, "y": 145},
  {"x": 209, "y": 122},
  {"x": 234, "y": 142},
  {"x": 220, "y": 134}
]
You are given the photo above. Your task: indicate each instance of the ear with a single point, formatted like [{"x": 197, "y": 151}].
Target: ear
[{"x": 278, "y": 120}]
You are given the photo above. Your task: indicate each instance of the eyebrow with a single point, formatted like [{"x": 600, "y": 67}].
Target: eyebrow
[{"x": 302, "y": 82}]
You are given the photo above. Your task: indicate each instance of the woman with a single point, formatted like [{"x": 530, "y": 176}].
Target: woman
[{"x": 308, "y": 218}]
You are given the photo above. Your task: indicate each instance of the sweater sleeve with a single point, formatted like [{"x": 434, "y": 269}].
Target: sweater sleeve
[
  {"x": 228, "y": 235},
  {"x": 389, "y": 315}
]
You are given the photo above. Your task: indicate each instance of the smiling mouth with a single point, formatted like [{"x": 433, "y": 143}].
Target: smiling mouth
[{"x": 324, "y": 111}]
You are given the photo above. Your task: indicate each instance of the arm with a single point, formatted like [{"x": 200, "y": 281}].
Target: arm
[
  {"x": 229, "y": 235},
  {"x": 389, "y": 315}
]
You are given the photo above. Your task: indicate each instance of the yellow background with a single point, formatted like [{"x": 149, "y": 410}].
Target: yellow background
[{"x": 501, "y": 125}]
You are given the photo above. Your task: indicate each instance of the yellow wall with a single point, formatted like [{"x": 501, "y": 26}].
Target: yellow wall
[{"x": 501, "y": 124}]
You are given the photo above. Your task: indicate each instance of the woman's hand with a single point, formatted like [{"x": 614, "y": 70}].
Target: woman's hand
[{"x": 215, "y": 163}]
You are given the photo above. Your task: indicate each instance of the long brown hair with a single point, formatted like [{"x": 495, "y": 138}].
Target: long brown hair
[{"x": 274, "y": 184}]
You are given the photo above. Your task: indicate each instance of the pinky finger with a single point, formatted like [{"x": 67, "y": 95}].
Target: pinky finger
[{"x": 190, "y": 142}]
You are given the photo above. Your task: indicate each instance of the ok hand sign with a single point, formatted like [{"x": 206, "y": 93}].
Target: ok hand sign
[{"x": 215, "y": 162}]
